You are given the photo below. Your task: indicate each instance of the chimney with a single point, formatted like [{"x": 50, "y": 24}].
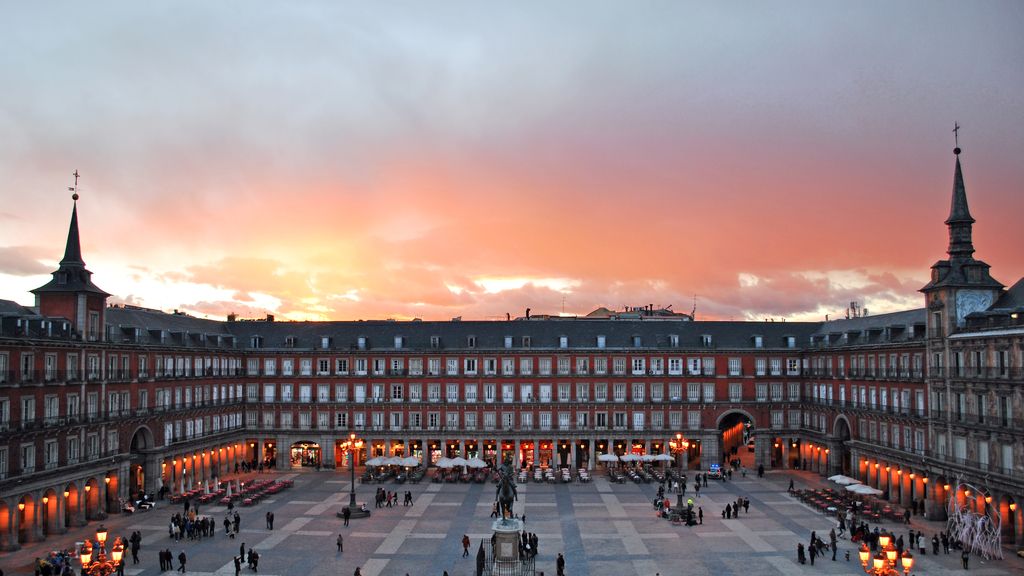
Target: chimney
[
  {"x": 270, "y": 317},
  {"x": 527, "y": 313},
  {"x": 232, "y": 317}
]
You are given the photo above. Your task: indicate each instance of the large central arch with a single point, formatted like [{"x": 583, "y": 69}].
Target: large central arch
[
  {"x": 842, "y": 434},
  {"x": 734, "y": 426},
  {"x": 141, "y": 453}
]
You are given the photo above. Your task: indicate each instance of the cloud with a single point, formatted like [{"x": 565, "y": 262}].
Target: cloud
[{"x": 22, "y": 261}]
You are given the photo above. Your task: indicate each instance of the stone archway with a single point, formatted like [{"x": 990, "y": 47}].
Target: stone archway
[
  {"x": 72, "y": 505},
  {"x": 841, "y": 454},
  {"x": 92, "y": 499},
  {"x": 49, "y": 507},
  {"x": 6, "y": 542},
  {"x": 142, "y": 458},
  {"x": 26, "y": 512},
  {"x": 734, "y": 426}
]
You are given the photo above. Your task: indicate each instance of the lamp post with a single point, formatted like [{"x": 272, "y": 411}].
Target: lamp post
[
  {"x": 680, "y": 445},
  {"x": 351, "y": 446},
  {"x": 101, "y": 565},
  {"x": 885, "y": 562}
]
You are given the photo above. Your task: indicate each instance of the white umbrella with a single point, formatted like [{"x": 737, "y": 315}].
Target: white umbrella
[
  {"x": 393, "y": 461},
  {"x": 476, "y": 463},
  {"x": 410, "y": 461},
  {"x": 459, "y": 461},
  {"x": 647, "y": 458},
  {"x": 862, "y": 489},
  {"x": 375, "y": 461},
  {"x": 444, "y": 463},
  {"x": 608, "y": 458},
  {"x": 664, "y": 458},
  {"x": 630, "y": 458},
  {"x": 841, "y": 479}
]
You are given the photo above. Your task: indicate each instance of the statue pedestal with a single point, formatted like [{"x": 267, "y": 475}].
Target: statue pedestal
[{"x": 506, "y": 540}]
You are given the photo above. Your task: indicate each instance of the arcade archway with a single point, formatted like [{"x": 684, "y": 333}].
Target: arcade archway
[
  {"x": 305, "y": 453},
  {"x": 734, "y": 429},
  {"x": 141, "y": 445},
  {"x": 841, "y": 453}
]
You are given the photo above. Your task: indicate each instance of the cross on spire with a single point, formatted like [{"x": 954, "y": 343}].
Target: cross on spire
[
  {"x": 74, "y": 188},
  {"x": 956, "y": 138}
]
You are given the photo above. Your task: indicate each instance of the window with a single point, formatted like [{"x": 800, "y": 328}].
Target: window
[
  {"x": 792, "y": 366},
  {"x": 508, "y": 366},
  {"x": 675, "y": 366},
  {"x": 620, "y": 391},
  {"x": 761, "y": 391},
  {"x": 470, "y": 392},
  {"x": 526, "y": 366},
  {"x": 471, "y": 342},
  {"x": 507, "y": 393},
  {"x": 657, "y": 392},
  {"x": 693, "y": 392},
  {"x": 759, "y": 366},
  {"x": 709, "y": 392},
  {"x": 735, "y": 392},
  {"x": 433, "y": 392},
  {"x": 638, "y": 366},
  {"x": 601, "y": 392},
  {"x": 619, "y": 366},
  {"x": 287, "y": 367},
  {"x": 544, "y": 368},
  {"x": 693, "y": 366},
  {"x": 638, "y": 392},
  {"x": 600, "y": 365},
  {"x": 563, "y": 365},
  {"x": 563, "y": 341},
  {"x": 693, "y": 420},
  {"x": 582, "y": 392},
  {"x": 508, "y": 341},
  {"x": 564, "y": 392},
  {"x": 600, "y": 341},
  {"x": 470, "y": 366}
]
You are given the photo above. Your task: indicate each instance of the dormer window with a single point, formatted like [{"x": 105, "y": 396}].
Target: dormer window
[
  {"x": 508, "y": 341},
  {"x": 62, "y": 278},
  {"x": 563, "y": 341},
  {"x": 471, "y": 342},
  {"x": 289, "y": 342},
  {"x": 637, "y": 342},
  {"x": 361, "y": 343},
  {"x": 435, "y": 342},
  {"x": 398, "y": 342},
  {"x": 325, "y": 342},
  {"x": 673, "y": 340},
  {"x": 526, "y": 341},
  {"x": 758, "y": 342},
  {"x": 791, "y": 341},
  {"x": 601, "y": 341},
  {"x": 254, "y": 342},
  {"x": 705, "y": 340}
]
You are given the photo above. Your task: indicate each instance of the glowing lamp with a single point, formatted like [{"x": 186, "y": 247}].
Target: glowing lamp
[
  {"x": 66, "y": 493},
  {"x": 85, "y": 553},
  {"x": 876, "y": 466},
  {"x": 117, "y": 551},
  {"x": 908, "y": 561},
  {"x": 865, "y": 554},
  {"x": 879, "y": 561},
  {"x": 106, "y": 480},
  {"x": 826, "y": 450},
  {"x": 988, "y": 498},
  {"x": 967, "y": 493},
  {"x": 911, "y": 475},
  {"x": 945, "y": 486},
  {"x": 900, "y": 472},
  {"x": 887, "y": 468},
  {"x": 884, "y": 539},
  {"x": 21, "y": 506},
  {"x": 252, "y": 444},
  {"x": 777, "y": 445},
  {"x": 88, "y": 487},
  {"x": 1013, "y": 506},
  {"x": 890, "y": 555},
  {"x": 101, "y": 535},
  {"x": 924, "y": 480},
  {"x": 794, "y": 444},
  {"x": 46, "y": 499}
]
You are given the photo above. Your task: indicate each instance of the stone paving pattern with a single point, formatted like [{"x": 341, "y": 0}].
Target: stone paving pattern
[{"x": 601, "y": 528}]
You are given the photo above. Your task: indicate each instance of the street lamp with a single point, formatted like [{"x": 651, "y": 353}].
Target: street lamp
[
  {"x": 885, "y": 562},
  {"x": 351, "y": 447},
  {"x": 680, "y": 445},
  {"x": 101, "y": 565}
]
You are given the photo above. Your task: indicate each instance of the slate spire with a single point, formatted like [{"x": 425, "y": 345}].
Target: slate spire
[
  {"x": 960, "y": 222},
  {"x": 73, "y": 250}
]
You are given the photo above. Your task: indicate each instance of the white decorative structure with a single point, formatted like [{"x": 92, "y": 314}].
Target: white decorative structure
[{"x": 977, "y": 533}]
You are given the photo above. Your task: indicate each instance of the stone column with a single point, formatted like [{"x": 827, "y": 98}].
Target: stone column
[
  {"x": 515, "y": 456},
  {"x": 711, "y": 449},
  {"x": 9, "y": 539},
  {"x": 785, "y": 453}
]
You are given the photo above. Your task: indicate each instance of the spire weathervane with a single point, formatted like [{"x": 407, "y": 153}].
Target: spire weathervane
[
  {"x": 74, "y": 188},
  {"x": 956, "y": 138}
]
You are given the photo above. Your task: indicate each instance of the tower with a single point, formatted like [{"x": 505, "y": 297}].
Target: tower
[
  {"x": 70, "y": 293},
  {"x": 961, "y": 284}
]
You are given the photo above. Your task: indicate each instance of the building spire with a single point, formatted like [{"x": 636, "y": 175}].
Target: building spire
[
  {"x": 960, "y": 221},
  {"x": 73, "y": 249}
]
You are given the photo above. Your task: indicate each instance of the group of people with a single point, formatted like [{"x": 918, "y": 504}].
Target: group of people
[
  {"x": 250, "y": 557},
  {"x": 190, "y": 525},
  {"x": 732, "y": 509},
  {"x": 386, "y": 499},
  {"x": 167, "y": 560}
]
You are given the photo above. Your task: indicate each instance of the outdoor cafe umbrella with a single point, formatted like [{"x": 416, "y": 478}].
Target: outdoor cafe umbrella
[
  {"x": 410, "y": 461},
  {"x": 663, "y": 458},
  {"x": 444, "y": 463},
  {"x": 841, "y": 479},
  {"x": 375, "y": 461},
  {"x": 862, "y": 489},
  {"x": 393, "y": 461},
  {"x": 630, "y": 458},
  {"x": 476, "y": 463},
  {"x": 608, "y": 458},
  {"x": 459, "y": 461}
]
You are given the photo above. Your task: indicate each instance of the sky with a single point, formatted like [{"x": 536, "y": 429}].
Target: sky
[{"x": 336, "y": 160}]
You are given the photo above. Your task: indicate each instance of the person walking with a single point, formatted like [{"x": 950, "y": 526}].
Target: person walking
[
  {"x": 346, "y": 514},
  {"x": 238, "y": 565},
  {"x": 832, "y": 539},
  {"x": 935, "y": 544},
  {"x": 182, "y": 559},
  {"x": 560, "y": 565},
  {"x": 964, "y": 557},
  {"x": 700, "y": 515},
  {"x": 465, "y": 545}
]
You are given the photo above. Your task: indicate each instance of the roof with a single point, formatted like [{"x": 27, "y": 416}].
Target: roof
[{"x": 1012, "y": 299}]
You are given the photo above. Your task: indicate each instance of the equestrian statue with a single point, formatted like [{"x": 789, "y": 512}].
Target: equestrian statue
[{"x": 506, "y": 492}]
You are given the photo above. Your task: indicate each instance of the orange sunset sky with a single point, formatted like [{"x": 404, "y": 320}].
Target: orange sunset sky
[{"x": 334, "y": 160}]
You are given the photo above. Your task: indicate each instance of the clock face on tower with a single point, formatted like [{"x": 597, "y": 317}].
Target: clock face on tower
[{"x": 968, "y": 301}]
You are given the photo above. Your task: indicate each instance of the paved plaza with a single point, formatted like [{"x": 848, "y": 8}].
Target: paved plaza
[{"x": 601, "y": 528}]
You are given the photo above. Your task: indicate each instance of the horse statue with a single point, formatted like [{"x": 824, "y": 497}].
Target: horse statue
[{"x": 506, "y": 492}]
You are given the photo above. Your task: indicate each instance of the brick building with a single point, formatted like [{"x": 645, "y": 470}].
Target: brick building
[{"x": 98, "y": 403}]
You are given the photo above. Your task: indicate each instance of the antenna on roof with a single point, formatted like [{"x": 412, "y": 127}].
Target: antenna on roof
[{"x": 693, "y": 313}]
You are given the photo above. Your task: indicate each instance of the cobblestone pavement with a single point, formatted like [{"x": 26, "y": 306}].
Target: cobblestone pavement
[{"x": 601, "y": 528}]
